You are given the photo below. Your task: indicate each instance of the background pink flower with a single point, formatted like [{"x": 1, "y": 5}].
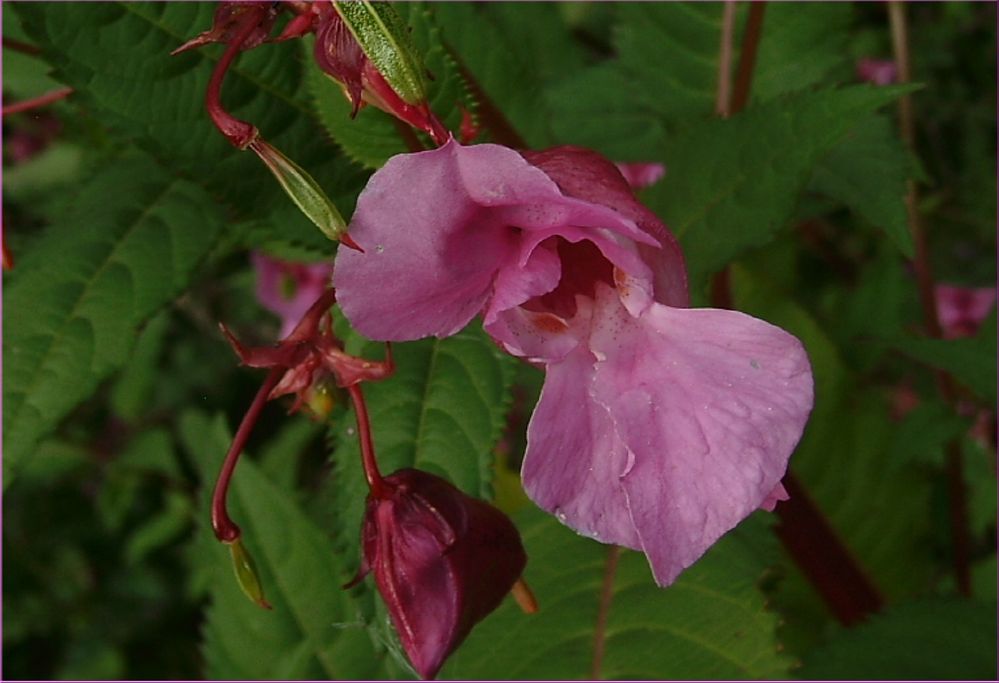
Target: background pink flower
[{"x": 288, "y": 289}]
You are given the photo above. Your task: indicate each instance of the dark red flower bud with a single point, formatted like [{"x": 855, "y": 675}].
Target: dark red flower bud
[{"x": 442, "y": 561}]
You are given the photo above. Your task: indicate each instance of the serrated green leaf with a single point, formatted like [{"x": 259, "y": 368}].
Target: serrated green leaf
[
  {"x": 384, "y": 39},
  {"x": 971, "y": 361},
  {"x": 442, "y": 411},
  {"x": 511, "y": 75},
  {"x": 670, "y": 53},
  {"x": 124, "y": 248},
  {"x": 733, "y": 183},
  {"x": 313, "y": 630},
  {"x": 132, "y": 391},
  {"x": 801, "y": 46},
  {"x": 933, "y": 639},
  {"x": 867, "y": 171},
  {"x": 710, "y": 624}
]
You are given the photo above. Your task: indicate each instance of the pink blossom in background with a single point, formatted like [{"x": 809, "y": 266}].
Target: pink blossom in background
[
  {"x": 877, "y": 71},
  {"x": 641, "y": 174},
  {"x": 962, "y": 309},
  {"x": 659, "y": 427},
  {"x": 288, "y": 289}
]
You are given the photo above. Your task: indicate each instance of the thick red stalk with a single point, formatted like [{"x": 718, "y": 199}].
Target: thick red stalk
[
  {"x": 239, "y": 133},
  {"x": 374, "y": 478},
  {"x": 823, "y": 558},
  {"x": 225, "y": 529}
]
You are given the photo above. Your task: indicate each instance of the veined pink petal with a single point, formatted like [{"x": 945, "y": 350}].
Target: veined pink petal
[
  {"x": 288, "y": 289},
  {"x": 703, "y": 408},
  {"x": 575, "y": 460}
]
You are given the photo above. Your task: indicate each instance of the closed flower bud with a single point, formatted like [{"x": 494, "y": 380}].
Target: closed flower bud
[{"x": 442, "y": 561}]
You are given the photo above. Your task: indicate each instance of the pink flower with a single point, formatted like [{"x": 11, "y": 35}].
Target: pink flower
[
  {"x": 877, "y": 71},
  {"x": 659, "y": 427},
  {"x": 287, "y": 288},
  {"x": 962, "y": 309}
]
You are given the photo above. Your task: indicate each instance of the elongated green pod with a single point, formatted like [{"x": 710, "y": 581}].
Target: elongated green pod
[
  {"x": 384, "y": 38},
  {"x": 303, "y": 190}
]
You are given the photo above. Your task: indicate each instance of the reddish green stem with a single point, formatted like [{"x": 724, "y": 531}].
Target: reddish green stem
[
  {"x": 374, "y": 478},
  {"x": 225, "y": 529},
  {"x": 239, "y": 133},
  {"x": 37, "y": 102},
  {"x": 956, "y": 487}
]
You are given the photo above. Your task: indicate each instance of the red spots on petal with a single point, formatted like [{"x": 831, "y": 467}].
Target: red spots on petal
[{"x": 547, "y": 322}]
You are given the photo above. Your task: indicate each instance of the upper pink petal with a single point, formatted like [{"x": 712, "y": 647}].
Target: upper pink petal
[{"x": 448, "y": 230}]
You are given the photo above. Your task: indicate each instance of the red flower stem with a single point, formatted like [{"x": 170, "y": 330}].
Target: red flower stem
[
  {"x": 239, "y": 133},
  {"x": 723, "y": 93},
  {"x": 956, "y": 487},
  {"x": 225, "y": 529},
  {"x": 747, "y": 57},
  {"x": 603, "y": 611},
  {"x": 37, "y": 102},
  {"x": 374, "y": 478}
]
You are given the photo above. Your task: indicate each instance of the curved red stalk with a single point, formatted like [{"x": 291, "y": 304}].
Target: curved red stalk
[
  {"x": 374, "y": 478},
  {"x": 239, "y": 133},
  {"x": 37, "y": 102},
  {"x": 225, "y": 529}
]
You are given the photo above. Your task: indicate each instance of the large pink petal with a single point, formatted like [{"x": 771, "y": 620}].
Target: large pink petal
[
  {"x": 709, "y": 404},
  {"x": 429, "y": 254}
]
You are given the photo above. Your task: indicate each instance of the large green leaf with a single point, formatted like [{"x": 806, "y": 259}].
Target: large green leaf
[
  {"x": 666, "y": 69},
  {"x": 125, "y": 246},
  {"x": 933, "y": 639},
  {"x": 442, "y": 411},
  {"x": 800, "y": 46},
  {"x": 513, "y": 51},
  {"x": 971, "y": 361},
  {"x": 734, "y": 183},
  {"x": 158, "y": 100},
  {"x": 710, "y": 624},
  {"x": 313, "y": 630},
  {"x": 867, "y": 171}
]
